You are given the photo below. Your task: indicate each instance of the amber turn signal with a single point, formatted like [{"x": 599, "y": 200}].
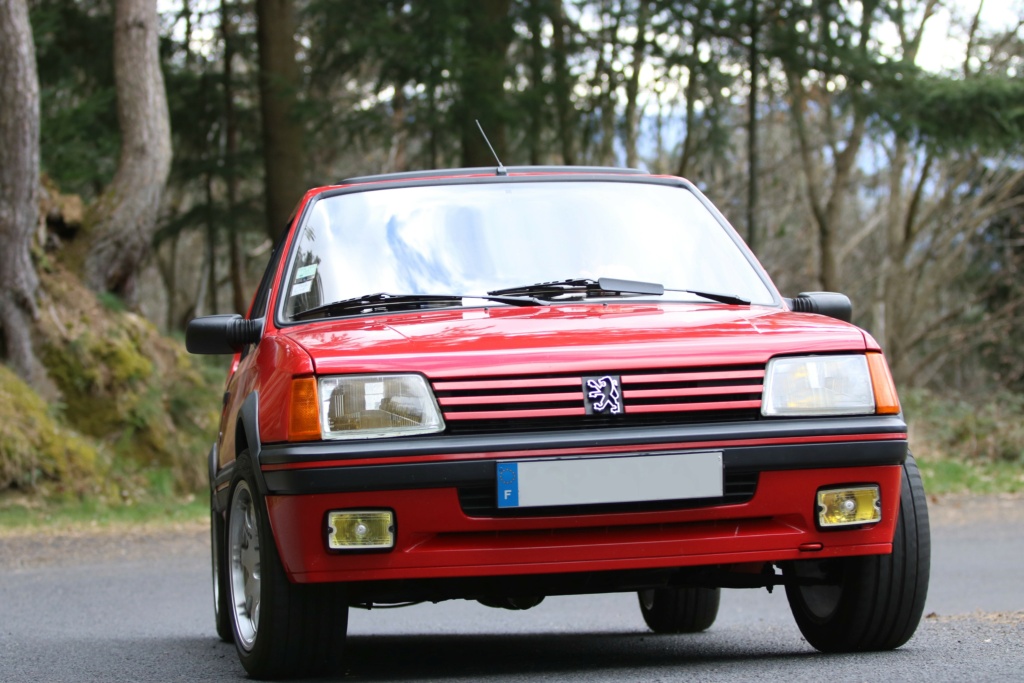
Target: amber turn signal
[
  {"x": 886, "y": 400},
  {"x": 303, "y": 411}
]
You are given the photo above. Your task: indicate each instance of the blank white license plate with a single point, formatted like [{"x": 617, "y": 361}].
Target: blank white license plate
[{"x": 609, "y": 479}]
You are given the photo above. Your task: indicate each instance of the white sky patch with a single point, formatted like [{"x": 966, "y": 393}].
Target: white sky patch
[{"x": 944, "y": 44}]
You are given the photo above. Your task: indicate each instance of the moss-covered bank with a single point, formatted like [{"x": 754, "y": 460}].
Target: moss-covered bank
[
  {"x": 136, "y": 413},
  {"x": 38, "y": 452}
]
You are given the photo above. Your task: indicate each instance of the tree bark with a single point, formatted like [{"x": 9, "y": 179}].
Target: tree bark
[
  {"x": 284, "y": 173},
  {"x": 608, "y": 78},
  {"x": 482, "y": 88},
  {"x": 690, "y": 138},
  {"x": 826, "y": 212},
  {"x": 563, "y": 83},
  {"x": 19, "y": 188},
  {"x": 230, "y": 171},
  {"x": 753, "y": 157},
  {"x": 632, "y": 122},
  {"x": 535, "y": 99},
  {"x": 125, "y": 217}
]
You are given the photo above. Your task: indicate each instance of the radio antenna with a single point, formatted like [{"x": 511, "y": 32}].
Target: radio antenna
[{"x": 501, "y": 169}]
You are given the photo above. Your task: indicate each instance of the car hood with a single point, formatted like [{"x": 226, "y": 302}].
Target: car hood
[{"x": 568, "y": 338}]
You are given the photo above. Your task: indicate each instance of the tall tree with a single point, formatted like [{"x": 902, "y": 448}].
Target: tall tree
[
  {"x": 563, "y": 83},
  {"x": 811, "y": 49},
  {"x": 238, "y": 292},
  {"x": 19, "y": 182},
  {"x": 284, "y": 171},
  {"x": 639, "y": 47},
  {"x": 125, "y": 217},
  {"x": 482, "y": 88}
]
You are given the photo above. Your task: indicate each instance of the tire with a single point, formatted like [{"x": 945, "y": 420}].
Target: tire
[
  {"x": 680, "y": 610},
  {"x": 280, "y": 629},
  {"x": 221, "y": 602},
  {"x": 874, "y": 602}
]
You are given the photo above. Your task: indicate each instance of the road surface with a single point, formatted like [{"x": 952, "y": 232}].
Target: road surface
[{"x": 136, "y": 606}]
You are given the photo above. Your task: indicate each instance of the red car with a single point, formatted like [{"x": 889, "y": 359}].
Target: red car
[{"x": 500, "y": 385}]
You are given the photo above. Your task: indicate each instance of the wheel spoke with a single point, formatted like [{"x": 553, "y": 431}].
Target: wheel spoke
[{"x": 245, "y": 583}]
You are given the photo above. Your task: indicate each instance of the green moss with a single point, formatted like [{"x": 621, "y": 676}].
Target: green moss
[
  {"x": 140, "y": 394},
  {"x": 36, "y": 451}
]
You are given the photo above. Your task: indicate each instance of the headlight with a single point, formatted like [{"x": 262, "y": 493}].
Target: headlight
[
  {"x": 818, "y": 385},
  {"x": 375, "y": 406}
]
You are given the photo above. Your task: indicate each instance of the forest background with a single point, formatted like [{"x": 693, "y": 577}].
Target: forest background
[{"x": 150, "y": 153}]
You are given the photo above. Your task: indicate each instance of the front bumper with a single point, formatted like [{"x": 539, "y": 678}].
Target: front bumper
[{"x": 438, "y": 538}]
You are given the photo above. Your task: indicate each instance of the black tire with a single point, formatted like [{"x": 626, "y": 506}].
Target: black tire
[
  {"x": 221, "y": 602},
  {"x": 280, "y": 629},
  {"x": 680, "y": 610},
  {"x": 874, "y": 602}
]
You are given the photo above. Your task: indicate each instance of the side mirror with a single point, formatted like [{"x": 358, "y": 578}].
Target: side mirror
[
  {"x": 832, "y": 304},
  {"x": 221, "y": 333}
]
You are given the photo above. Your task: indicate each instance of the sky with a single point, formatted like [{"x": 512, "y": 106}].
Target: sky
[{"x": 943, "y": 44}]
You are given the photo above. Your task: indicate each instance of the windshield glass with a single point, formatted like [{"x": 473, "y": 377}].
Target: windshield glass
[{"x": 469, "y": 239}]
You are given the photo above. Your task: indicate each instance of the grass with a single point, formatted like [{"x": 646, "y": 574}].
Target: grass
[
  {"x": 31, "y": 514},
  {"x": 984, "y": 478},
  {"x": 966, "y": 446}
]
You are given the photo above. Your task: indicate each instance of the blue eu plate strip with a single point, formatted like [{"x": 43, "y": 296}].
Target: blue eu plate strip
[{"x": 508, "y": 484}]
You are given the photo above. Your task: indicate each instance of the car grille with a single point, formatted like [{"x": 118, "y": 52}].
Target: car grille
[
  {"x": 671, "y": 396},
  {"x": 480, "y": 501}
]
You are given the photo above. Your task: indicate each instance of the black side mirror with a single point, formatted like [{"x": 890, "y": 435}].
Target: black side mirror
[
  {"x": 832, "y": 304},
  {"x": 221, "y": 333}
]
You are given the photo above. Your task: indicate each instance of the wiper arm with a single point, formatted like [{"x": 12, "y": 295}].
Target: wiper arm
[
  {"x": 608, "y": 286},
  {"x": 585, "y": 286},
  {"x": 382, "y": 301}
]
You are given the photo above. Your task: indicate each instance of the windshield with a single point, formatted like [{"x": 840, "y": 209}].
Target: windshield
[{"x": 466, "y": 239}]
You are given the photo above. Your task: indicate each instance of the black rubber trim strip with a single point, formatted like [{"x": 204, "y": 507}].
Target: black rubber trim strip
[
  {"x": 490, "y": 171},
  {"x": 282, "y": 454},
  {"x": 249, "y": 415},
  {"x": 428, "y": 475},
  {"x": 221, "y": 485}
]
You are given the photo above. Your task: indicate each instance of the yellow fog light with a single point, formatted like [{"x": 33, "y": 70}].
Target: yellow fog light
[
  {"x": 847, "y": 506},
  {"x": 360, "y": 529}
]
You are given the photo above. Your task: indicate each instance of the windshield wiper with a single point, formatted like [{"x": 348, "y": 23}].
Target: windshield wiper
[
  {"x": 382, "y": 301},
  {"x": 608, "y": 286}
]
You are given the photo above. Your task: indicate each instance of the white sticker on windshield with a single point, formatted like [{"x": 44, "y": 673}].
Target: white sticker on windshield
[
  {"x": 302, "y": 287},
  {"x": 305, "y": 272}
]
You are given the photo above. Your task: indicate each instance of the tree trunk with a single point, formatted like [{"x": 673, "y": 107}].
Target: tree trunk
[
  {"x": 19, "y": 183},
  {"x": 284, "y": 174},
  {"x": 563, "y": 83},
  {"x": 632, "y": 122},
  {"x": 125, "y": 217},
  {"x": 482, "y": 88},
  {"x": 238, "y": 292},
  {"x": 753, "y": 157},
  {"x": 609, "y": 77},
  {"x": 827, "y": 196},
  {"x": 690, "y": 136},
  {"x": 535, "y": 97}
]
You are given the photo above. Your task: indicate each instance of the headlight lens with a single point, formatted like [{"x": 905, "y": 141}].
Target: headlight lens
[
  {"x": 375, "y": 406},
  {"x": 818, "y": 385}
]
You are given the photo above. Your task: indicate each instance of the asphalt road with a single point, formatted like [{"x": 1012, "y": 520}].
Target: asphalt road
[{"x": 136, "y": 606}]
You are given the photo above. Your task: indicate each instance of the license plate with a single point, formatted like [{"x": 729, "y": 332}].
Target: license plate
[{"x": 609, "y": 479}]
